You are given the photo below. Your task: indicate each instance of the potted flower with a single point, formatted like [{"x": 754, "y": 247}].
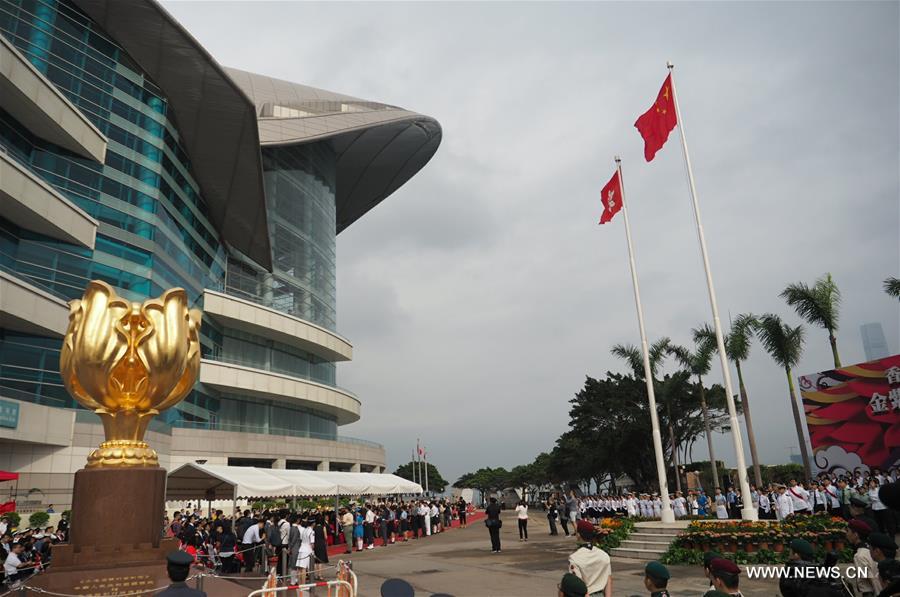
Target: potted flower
[{"x": 777, "y": 541}]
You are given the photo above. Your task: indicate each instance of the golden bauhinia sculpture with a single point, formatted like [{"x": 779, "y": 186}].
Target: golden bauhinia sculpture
[{"x": 128, "y": 362}]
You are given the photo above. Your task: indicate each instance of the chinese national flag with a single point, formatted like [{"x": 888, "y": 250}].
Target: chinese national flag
[
  {"x": 8, "y": 507},
  {"x": 655, "y": 124},
  {"x": 612, "y": 198}
]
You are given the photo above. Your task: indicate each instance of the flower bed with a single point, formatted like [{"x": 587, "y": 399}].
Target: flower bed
[
  {"x": 758, "y": 541},
  {"x": 611, "y": 532}
]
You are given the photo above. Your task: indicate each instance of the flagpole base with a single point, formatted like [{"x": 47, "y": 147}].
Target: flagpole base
[
  {"x": 750, "y": 513},
  {"x": 668, "y": 515}
]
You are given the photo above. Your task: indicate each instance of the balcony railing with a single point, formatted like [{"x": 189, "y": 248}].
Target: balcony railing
[{"x": 268, "y": 430}]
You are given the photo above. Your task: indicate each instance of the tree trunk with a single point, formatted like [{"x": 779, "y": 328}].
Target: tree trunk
[
  {"x": 804, "y": 453},
  {"x": 745, "y": 404},
  {"x": 709, "y": 442},
  {"x": 834, "y": 352}
]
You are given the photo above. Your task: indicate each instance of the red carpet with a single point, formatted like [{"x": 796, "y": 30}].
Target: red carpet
[{"x": 339, "y": 549}]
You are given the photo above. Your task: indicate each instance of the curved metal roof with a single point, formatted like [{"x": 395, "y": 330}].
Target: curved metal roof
[
  {"x": 225, "y": 115},
  {"x": 379, "y": 147},
  {"x": 216, "y": 120}
]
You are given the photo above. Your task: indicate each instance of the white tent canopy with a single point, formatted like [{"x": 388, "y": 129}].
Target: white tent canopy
[{"x": 211, "y": 482}]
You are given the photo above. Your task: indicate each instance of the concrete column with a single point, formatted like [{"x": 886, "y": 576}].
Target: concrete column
[
  {"x": 279, "y": 463},
  {"x": 323, "y": 466},
  {"x": 354, "y": 468}
]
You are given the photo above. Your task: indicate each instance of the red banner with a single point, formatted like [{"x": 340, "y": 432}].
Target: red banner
[
  {"x": 8, "y": 507},
  {"x": 853, "y": 415}
]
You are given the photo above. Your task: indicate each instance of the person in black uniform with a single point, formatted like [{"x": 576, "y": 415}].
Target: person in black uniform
[
  {"x": 320, "y": 547},
  {"x": 493, "y": 523},
  {"x": 551, "y": 517},
  {"x": 178, "y": 566}
]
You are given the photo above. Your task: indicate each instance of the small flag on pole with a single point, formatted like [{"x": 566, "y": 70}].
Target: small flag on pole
[
  {"x": 612, "y": 198},
  {"x": 655, "y": 124}
]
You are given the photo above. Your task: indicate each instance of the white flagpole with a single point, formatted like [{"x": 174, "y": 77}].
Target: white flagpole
[
  {"x": 413, "y": 464},
  {"x": 418, "y": 461},
  {"x": 425, "y": 459},
  {"x": 667, "y": 514},
  {"x": 748, "y": 512}
]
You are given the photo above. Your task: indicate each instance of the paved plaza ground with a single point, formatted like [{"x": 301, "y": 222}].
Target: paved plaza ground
[{"x": 460, "y": 563}]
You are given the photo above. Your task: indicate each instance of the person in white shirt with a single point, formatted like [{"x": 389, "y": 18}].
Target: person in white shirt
[
  {"x": 370, "y": 525},
  {"x": 784, "y": 505},
  {"x": 631, "y": 506},
  {"x": 522, "y": 518},
  {"x": 657, "y": 506},
  {"x": 831, "y": 495},
  {"x": 680, "y": 505},
  {"x": 799, "y": 497},
  {"x": 13, "y": 564},
  {"x": 721, "y": 504},
  {"x": 435, "y": 519},
  {"x": 307, "y": 543},
  {"x": 765, "y": 506},
  {"x": 252, "y": 539},
  {"x": 881, "y": 513},
  {"x": 425, "y": 512}
]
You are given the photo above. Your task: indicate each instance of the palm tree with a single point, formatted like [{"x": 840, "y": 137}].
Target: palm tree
[
  {"x": 818, "y": 305},
  {"x": 785, "y": 345},
  {"x": 737, "y": 348},
  {"x": 892, "y": 287},
  {"x": 697, "y": 363},
  {"x": 657, "y": 351}
]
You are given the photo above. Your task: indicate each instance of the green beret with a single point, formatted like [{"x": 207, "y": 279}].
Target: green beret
[
  {"x": 572, "y": 585},
  {"x": 709, "y": 557},
  {"x": 860, "y": 501},
  {"x": 803, "y": 548},
  {"x": 657, "y": 570},
  {"x": 882, "y": 541}
]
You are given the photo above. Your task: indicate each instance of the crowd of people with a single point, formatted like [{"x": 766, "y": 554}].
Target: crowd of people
[
  {"x": 868, "y": 502},
  {"x": 297, "y": 541},
  {"x": 829, "y": 493},
  {"x": 25, "y": 551}
]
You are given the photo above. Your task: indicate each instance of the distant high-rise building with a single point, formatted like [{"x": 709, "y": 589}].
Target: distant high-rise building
[{"x": 874, "y": 342}]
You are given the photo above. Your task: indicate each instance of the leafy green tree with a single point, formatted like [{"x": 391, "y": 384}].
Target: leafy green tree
[
  {"x": 697, "y": 363},
  {"x": 436, "y": 483},
  {"x": 892, "y": 287},
  {"x": 819, "y": 305},
  {"x": 656, "y": 353},
  {"x": 782, "y": 473},
  {"x": 486, "y": 480},
  {"x": 785, "y": 345},
  {"x": 38, "y": 520},
  {"x": 737, "y": 349}
]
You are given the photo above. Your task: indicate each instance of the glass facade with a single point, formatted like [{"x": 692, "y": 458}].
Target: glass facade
[
  {"x": 302, "y": 218},
  {"x": 154, "y": 230}
]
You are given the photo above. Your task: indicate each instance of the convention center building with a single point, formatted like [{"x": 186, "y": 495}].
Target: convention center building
[{"x": 129, "y": 155}]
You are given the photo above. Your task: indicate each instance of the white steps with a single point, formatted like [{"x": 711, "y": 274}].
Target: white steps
[{"x": 649, "y": 541}]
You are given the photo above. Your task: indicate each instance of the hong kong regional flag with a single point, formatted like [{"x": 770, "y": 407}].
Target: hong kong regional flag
[
  {"x": 612, "y": 198},
  {"x": 656, "y": 123}
]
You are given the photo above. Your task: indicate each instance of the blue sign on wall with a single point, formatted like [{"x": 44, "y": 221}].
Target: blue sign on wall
[{"x": 9, "y": 414}]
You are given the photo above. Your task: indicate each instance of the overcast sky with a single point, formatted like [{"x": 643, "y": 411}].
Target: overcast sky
[{"x": 480, "y": 294}]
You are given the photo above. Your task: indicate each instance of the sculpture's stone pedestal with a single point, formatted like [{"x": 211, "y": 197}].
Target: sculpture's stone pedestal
[
  {"x": 116, "y": 544},
  {"x": 117, "y": 518}
]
